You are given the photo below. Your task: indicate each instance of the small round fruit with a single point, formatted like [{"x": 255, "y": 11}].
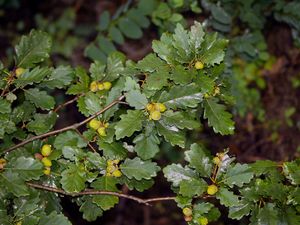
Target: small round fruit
[
  {"x": 217, "y": 91},
  {"x": 47, "y": 162},
  {"x": 212, "y": 189},
  {"x": 47, "y": 171},
  {"x": 106, "y": 125},
  {"x": 110, "y": 162},
  {"x": 46, "y": 150},
  {"x": 110, "y": 169},
  {"x": 94, "y": 124},
  {"x": 188, "y": 218},
  {"x": 150, "y": 107},
  {"x": 38, "y": 156},
  {"x": 206, "y": 95},
  {"x": 94, "y": 86},
  {"x": 203, "y": 221},
  {"x": 100, "y": 86},
  {"x": 117, "y": 173},
  {"x": 19, "y": 223},
  {"x": 116, "y": 161},
  {"x": 107, "y": 85},
  {"x": 160, "y": 107},
  {"x": 2, "y": 163},
  {"x": 101, "y": 131},
  {"x": 19, "y": 71},
  {"x": 155, "y": 115},
  {"x": 199, "y": 65},
  {"x": 187, "y": 211},
  {"x": 216, "y": 160}
]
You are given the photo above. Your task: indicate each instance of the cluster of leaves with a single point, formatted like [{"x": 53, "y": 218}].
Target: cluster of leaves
[
  {"x": 264, "y": 191},
  {"x": 244, "y": 22},
  {"x": 167, "y": 76},
  {"x": 129, "y": 21}
]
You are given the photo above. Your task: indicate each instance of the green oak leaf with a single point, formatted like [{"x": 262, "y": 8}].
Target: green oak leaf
[
  {"x": 181, "y": 120},
  {"x": 240, "y": 210},
  {"x": 54, "y": 218},
  {"x": 13, "y": 183},
  {"x": 129, "y": 123},
  {"x": 175, "y": 173},
  {"x": 171, "y": 133},
  {"x": 193, "y": 187},
  {"x": 73, "y": 180},
  {"x": 33, "y": 49},
  {"x": 188, "y": 96},
  {"x": 90, "y": 211},
  {"x": 113, "y": 150},
  {"x": 227, "y": 198},
  {"x": 42, "y": 123},
  {"x": 136, "y": 99},
  {"x": 39, "y": 98},
  {"x": 238, "y": 175},
  {"x": 138, "y": 169},
  {"x": 60, "y": 77},
  {"x": 199, "y": 160},
  {"x": 146, "y": 147},
  {"x": 27, "y": 168},
  {"x": 217, "y": 117}
]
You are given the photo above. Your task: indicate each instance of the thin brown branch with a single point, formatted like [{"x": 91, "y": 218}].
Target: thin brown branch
[
  {"x": 86, "y": 192},
  {"x": 99, "y": 192},
  {"x": 86, "y": 140},
  {"x": 67, "y": 103},
  {"x": 71, "y": 127}
]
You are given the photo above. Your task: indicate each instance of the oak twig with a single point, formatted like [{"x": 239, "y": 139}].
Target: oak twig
[
  {"x": 71, "y": 127},
  {"x": 99, "y": 192}
]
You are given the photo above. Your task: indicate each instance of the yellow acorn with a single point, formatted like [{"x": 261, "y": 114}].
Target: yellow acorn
[
  {"x": 216, "y": 160},
  {"x": 47, "y": 162},
  {"x": 160, "y": 107},
  {"x": 188, "y": 218},
  {"x": 19, "y": 71},
  {"x": 110, "y": 169},
  {"x": 46, "y": 150},
  {"x": 107, "y": 85},
  {"x": 106, "y": 125},
  {"x": 94, "y": 124},
  {"x": 155, "y": 115},
  {"x": 117, "y": 173},
  {"x": 100, "y": 86},
  {"x": 47, "y": 171},
  {"x": 116, "y": 161},
  {"x": 101, "y": 131},
  {"x": 150, "y": 107},
  {"x": 212, "y": 189},
  {"x": 94, "y": 86},
  {"x": 203, "y": 221},
  {"x": 199, "y": 65},
  {"x": 110, "y": 162},
  {"x": 2, "y": 163},
  {"x": 19, "y": 223},
  {"x": 217, "y": 91},
  {"x": 187, "y": 211}
]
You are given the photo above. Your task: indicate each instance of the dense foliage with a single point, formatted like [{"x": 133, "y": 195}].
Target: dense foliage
[{"x": 131, "y": 108}]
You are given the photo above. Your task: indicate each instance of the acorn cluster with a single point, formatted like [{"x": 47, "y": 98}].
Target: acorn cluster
[
  {"x": 155, "y": 110},
  {"x": 188, "y": 216},
  {"x": 46, "y": 151},
  {"x": 100, "y": 86},
  {"x": 2, "y": 163},
  {"x": 99, "y": 126},
  {"x": 112, "y": 169}
]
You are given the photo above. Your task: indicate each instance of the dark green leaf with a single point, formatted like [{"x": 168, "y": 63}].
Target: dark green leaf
[
  {"x": 33, "y": 49},
  {"x": 136, "y": 99},
  {"x": 130, "y": 28},
  {"x": 42, "y": 123},
  {"x": 146, "y": 147},
  {"x": 54, "y": 218},
  {"x": 129, "y": 123},
  {"x": 138, "y": 169},
  {"x": 199, "y": 160},
  {"x": 193, "y": 187},
  {"x": 40, "y": 98},
  {"x": 73, "y": 180},
  {"x": 217, "y": 117},
  {"x": 227, "y": 198},
  {"x": 175, "y": 173},
  {"x": 238, "y": 175}
]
